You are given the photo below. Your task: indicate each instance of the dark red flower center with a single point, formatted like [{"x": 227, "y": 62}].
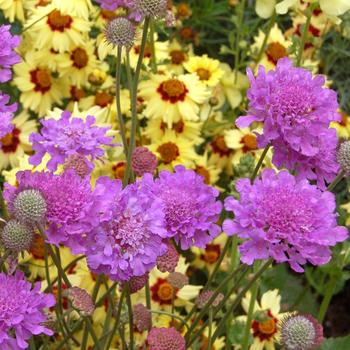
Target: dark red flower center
[
  {"x": 41, "y": 78},
  {"x": 59, "y": 22},
  {"x": 10, "y": 142},
  {"x": 79, "y": 58},
  {"x": 168, "y": 152}
]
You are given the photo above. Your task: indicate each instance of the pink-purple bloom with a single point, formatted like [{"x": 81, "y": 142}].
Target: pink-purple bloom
[
  {"x": 6, "y": 115},
  {"x": 21, "y": 311},
  {"x": 129, "y": 237},
  {"x": 190, "y": 206},
  {"x": 284, "y": 218},
  {"x": 296, "y": 110},
  {"x": 8, "y": 57},
  {"x": 69, "y": 136},
  {"x": 69, "y": 201},
  {"x": 112, "y": 5}
]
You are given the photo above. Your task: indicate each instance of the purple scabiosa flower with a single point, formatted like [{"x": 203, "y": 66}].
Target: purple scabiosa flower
[
  {"x": 296, "y": 110},
  {"x": 6, "y": 115},
  {"x": 69, "y": 201},
  {"x": 66, "y": 137},
  {"x": 284, "y": 218},
  {"x": 129, "y": 238},
  {"x": 191, "y": 208},
  {"x": 8, "y": 56},
  {"x": 21, "y": 311},
  {"x": 112, "y": 5}
]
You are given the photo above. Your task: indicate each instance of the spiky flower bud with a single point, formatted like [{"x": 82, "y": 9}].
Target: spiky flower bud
[
  {"x": 205, "y": 296},
  {"x": 142, "y": 318},
  {"x": 178, "y": 280},
  {"x": 30, "y": 206},
  {"x": 300, "y": 332},
  {"x": 143, "y": 161},
  {"x": 81, "y": 300},
  {"x": 343, "y": 156},
  {"x": 79, "y": 164},
  {"x": 152, "y": 8},
  {"x": 137, "y": 283},
  {"x": 16, "y": 236},
  {"x": 120, "y": 32},
  {"x": 168, "y": 261},
  {"x": 165, "y": 339}
]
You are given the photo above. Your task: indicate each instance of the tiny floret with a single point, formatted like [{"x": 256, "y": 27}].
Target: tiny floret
[{"x": 16, "y": 236}]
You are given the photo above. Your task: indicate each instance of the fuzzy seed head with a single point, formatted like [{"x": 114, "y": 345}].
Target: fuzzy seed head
[
  {"x": 143, "y": 161},
  {"x": 137, "y": 283},
  {"x": 168, "y": 261},
  {"x": 120, "y": 32},
  {"x": 165, "y": 339},
  {"x": 79, "y": 164},
  {"x": 205, "y": 296},
  {"x": 29, "y": 206},
  {"x": 17, "y": 236},
  {"x": 152, "y": 8},
  {"x": 178, "y": 280},
  {"x": 343, "y": 156},
  {"x": 81, "y": 300},
  {"x": 142, "y": 318},
  {"x": 301, "y": 332}
]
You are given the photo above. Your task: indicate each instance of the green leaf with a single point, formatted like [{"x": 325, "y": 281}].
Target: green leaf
[{"x": 341, "y": 343}]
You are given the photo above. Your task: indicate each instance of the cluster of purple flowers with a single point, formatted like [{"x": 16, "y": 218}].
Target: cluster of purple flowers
[
  {"x": 21, "y": 311},
  {"x": 296, "y": 110},
  {"x": 284, "y": 218},
  {"x": 8, "y": 58},
  {"x": 69, "y": 136}
]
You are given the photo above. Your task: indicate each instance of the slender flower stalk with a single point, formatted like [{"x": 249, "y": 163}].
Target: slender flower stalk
[{"x": 259, "y": 163}]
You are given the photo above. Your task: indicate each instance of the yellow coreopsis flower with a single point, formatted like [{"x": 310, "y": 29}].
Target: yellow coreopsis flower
[
  {"x": 173, "y": 98},
  {"x": 15, "y": 144},
  {"x": 39, "y": 86},
  {"x": 178, "y": 55},
  {"x": 13, "y": 9},
  {"x": 57, "y": 30},
  {"x": 343, "y": 127},
  {"x": 207, "y": 69},
  {"x": 78, "y": 8}
]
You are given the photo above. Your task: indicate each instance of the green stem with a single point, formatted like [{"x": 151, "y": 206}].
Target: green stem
[
  {"x": 92, "y": 332},
  {"x": 54, "y": 257},
  {"x": 267, "y": 34},
  {"x": 133, "y": 95},
  {"x": 210, "y": 328},
  {"x": 239, "y": 298},
  {"x": 336, "y": 181},
  {"x": 69, "y": 335},
  {"x": 204, "y": 310},
  {"x": 131, "y": 318},
  {"x": 118, "y": 102},
  {"x": 326, "y": 299},
  {"x": 3, "y": 208},
  {"x": 153, "y": 49},
  {"x": 238, "y": 37},
  {"x": 304, "y": 34},
  {"x": 250, "y": 313},
  {"x": 259, "y": 164},
  {"x": 37, "y": 21}
]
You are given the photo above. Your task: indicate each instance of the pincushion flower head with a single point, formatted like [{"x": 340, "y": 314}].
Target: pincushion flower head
[
  {"x": 191, "y": 208},
  {"x": 173, "y": 98},
  {"x": 129, "y": 237},
  {"x": 66, "y": 137},
  {"x": 68, "y": 200},
  {"x": 8, "y": 57},
  {"x": 21, "y": 313},
  {"x": 294, "y": 106},
  {"x": 283, "y": 218}
]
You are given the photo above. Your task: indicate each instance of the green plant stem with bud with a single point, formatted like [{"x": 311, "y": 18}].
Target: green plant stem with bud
[
  {"x": 327, "y": 298},
  {"x": 259, "y": 164},
  {"x": 335, "y": 182},
  {"x": 153, "y": 48},
  {"x": 238, "y": 36},
  {"x": 133, "y": 95},
  {"x": 131, "y": 318}
]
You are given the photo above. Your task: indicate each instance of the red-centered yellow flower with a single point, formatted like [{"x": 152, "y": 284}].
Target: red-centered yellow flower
[
  {"x": 57, "y": 30},
  {"x": 177, "y": 56},
  {"x": 173, "y": 98},
  {"x": 343, "y": 127},
  {"x": 39, "y": 86},
  {"x": 78, "y": 8},
  {"x": 15, "y": 144}
]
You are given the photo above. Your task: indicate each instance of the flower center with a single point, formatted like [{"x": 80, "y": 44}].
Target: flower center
[
  {"x": 275, "y": 51},
  {"x": 344, "y": 119},
  {"x": 119, "y": 170},
  {"x": 80, "y": 58},
  {"x": 165, "y": 291},
  {"x": 103, "y": 99},
  {"x": 265, "y": 329},
  {"x": 106, "y": 14},
  {"x": 59, "y": 22},
  {"x": 147, "y": 53},
  {"x": 249, "y": 142},
  {"x": 76, "y": 93},
  {"x": 172, "y": 90},
  {"x": 203, "y": 74},
  {"x": 37, "y": 248},
  {"x": 41, "y": 78},
  {"x": 168, "y": 152},
  {"x": 219, "y": 146},
  {"x": 200, "y": 170},
  {"x": 183, "y": 10},
  {"x": 10, "y": 142},
  {"x": 211, "y": 253},
  {"x": 177, "y": 56}
]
